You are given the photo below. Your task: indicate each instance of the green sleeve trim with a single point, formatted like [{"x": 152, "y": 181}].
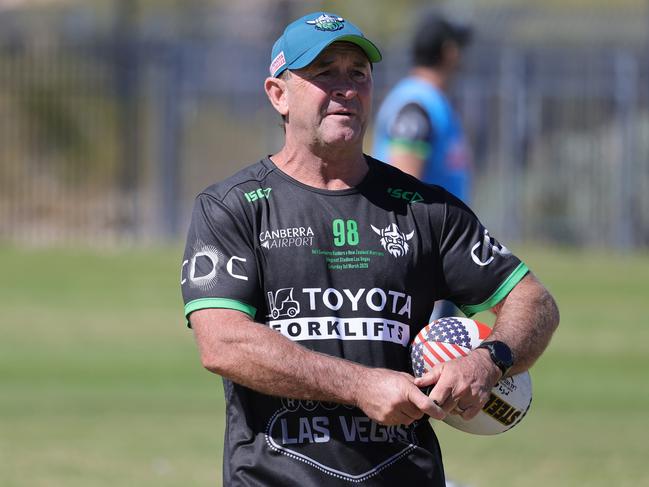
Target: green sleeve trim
[
  {"x": 502, "y": 291},
  {"x": 205, "y": 303},
  {"x": 416, "y": 147}
]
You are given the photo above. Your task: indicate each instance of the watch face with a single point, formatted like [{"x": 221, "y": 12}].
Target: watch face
[{"x": 502, "y": 353}]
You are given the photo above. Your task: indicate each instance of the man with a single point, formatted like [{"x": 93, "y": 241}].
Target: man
[
  {"x": 417, "y": 129},
  {"x": 306, "y": 276}
]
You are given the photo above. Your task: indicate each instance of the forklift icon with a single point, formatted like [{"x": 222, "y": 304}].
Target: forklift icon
[{"x": 282, "y": 303}]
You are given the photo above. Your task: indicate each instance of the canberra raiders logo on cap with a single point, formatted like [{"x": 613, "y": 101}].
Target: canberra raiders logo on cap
[{"x": 327, "y": 22}]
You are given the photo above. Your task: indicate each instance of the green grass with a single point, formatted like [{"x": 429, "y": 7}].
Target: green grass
[{"x": 101, "y": 383}]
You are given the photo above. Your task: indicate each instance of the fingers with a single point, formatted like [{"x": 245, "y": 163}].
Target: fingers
[
  {"x": 396, "y": 398},
  {"x": 429, "y": 378},
  {"x": 426, "y": 404},
  {"x": 470, "y": 412},
  {"x": 475, "y": 405},
  {"x": 412, "y": 412},
  {"x": 457, "y": 411},
  {"x": 442, "y": 395},
  {"x": 393, "y": 398},
  {"x": 462, "y": 386},
  {"x": 439, "y": 395},
  {"x": 406, "y": 414}
]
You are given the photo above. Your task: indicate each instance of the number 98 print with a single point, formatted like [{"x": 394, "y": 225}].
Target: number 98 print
[{"x": 345, "y": 232}]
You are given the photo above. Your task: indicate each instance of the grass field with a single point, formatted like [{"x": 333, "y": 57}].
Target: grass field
[{"x": 101, "y": 384}]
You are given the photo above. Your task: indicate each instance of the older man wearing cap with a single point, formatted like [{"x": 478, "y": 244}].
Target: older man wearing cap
[{"x": 306, "y": 275}]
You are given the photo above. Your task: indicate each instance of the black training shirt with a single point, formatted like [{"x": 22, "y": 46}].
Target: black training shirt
[{"x": 351, "y": 273}]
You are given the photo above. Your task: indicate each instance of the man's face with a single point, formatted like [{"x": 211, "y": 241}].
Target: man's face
[{"x": 330, "y": 101}]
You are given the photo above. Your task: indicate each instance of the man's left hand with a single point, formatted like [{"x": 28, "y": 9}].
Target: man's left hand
[{"x": 462, "y": 386}]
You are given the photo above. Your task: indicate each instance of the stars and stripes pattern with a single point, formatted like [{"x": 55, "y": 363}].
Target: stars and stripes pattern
[
  {"x": 443, "y": 340},
  {"x": 417, "y": 355},
  {"x": 450, "y": 330}
]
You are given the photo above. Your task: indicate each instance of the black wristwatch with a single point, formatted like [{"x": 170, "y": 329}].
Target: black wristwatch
[{"x": 500, "y": 354}]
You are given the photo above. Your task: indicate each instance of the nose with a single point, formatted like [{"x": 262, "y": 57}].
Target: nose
[{"x": 344, "y": 88}]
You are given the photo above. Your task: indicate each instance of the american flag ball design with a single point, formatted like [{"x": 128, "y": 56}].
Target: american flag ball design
[
  {"x": 443, "y": 340},
  {"x": 449, "y": 338}
]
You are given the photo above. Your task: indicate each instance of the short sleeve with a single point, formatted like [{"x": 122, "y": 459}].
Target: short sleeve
[
  {"x": 412, "y": 130},
  {"x": 478, "y": 270},
  {"x": 219, "y": 268}
]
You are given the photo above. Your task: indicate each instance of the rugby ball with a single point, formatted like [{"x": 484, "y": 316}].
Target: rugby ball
[{"x": 449, "y": 338}]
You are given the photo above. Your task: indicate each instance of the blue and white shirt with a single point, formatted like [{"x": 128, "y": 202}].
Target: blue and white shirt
[{"x": 418, "y": 118}]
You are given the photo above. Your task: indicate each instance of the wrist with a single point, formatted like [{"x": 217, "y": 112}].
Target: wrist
[
  {"x": 357, "y": 385},
  {"x": 499, "y": 353},
  {"x": 494, "y": 371}
]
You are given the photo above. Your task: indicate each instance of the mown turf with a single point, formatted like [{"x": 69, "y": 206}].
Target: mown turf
[{"x": 101, "y": 385}]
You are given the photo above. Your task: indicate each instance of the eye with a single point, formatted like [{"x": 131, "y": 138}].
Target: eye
[{"x": 358, "y": 74}]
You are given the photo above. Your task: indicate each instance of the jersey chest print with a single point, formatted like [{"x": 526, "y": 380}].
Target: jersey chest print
[{"x": 340, "y": 302}]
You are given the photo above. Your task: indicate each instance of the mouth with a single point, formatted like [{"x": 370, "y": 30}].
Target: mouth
[{"x": 343, "y": 113}]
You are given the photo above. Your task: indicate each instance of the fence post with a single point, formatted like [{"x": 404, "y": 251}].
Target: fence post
[
  {"x": 171, "y": 126},
  {"x": 512, "y": 131},
  {"x": 626, "y": 99},
  {"x": 128, "y": 136}
]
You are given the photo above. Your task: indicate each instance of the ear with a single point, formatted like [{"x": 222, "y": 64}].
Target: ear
[
  {"x": 450, "y": 52},
  {"x": 276, "y": 91}
]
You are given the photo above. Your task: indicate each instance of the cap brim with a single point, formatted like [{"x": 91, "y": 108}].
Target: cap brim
[{"x": 371, "y": 51}]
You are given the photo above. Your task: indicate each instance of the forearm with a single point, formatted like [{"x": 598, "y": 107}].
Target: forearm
[
  {"x": 262, "y": 359},
  {"x": 526, "y": 320}
]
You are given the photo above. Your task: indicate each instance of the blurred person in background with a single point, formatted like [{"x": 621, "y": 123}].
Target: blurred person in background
[
  {"x": 305, "y": 279},
  {"x": 417, "y": 129}
]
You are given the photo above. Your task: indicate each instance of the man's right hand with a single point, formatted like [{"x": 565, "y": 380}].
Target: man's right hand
[{"x": 390, "y": 398}]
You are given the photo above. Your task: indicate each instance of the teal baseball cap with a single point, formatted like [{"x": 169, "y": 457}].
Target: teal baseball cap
[{"x": 308, "y": 36}]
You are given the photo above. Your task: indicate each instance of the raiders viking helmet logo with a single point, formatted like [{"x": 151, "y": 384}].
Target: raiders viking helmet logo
[{"x": 394, "y": 240}]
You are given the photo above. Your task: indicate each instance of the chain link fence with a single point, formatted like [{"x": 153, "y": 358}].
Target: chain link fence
[{"x": 112, "y": 119}]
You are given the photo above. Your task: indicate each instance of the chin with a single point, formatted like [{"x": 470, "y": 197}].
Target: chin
[
  {"x": 344, "y": 140},
  {"x": 346, "y": 135}
]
